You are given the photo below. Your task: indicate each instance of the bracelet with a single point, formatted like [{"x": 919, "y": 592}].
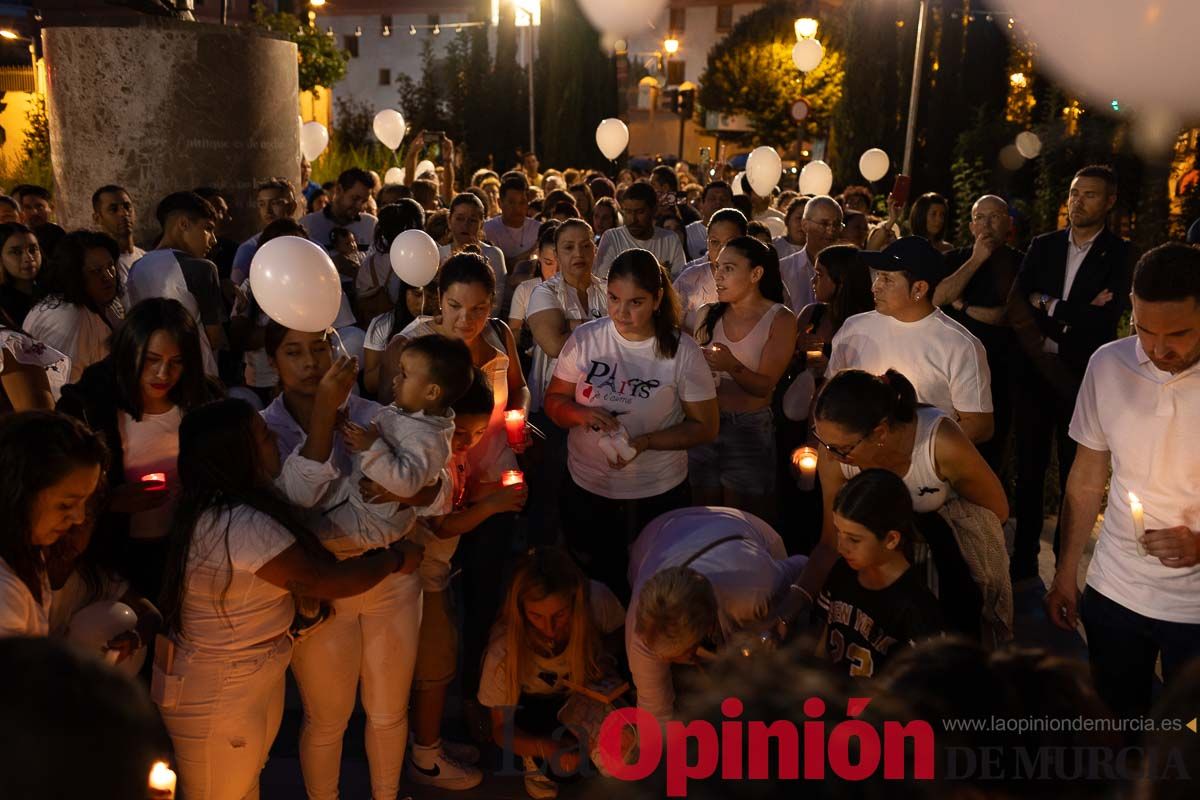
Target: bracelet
[{"x": 803, "y": 591}]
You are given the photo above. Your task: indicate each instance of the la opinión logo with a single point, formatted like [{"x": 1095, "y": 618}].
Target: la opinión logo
[{"x": 852, "y": 750}]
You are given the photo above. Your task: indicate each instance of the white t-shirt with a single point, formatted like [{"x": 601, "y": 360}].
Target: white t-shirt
[
  {"x": 376, "y": 273},
  {"x": 25, "y": 350},
  {"x": 664, "y": 244},
  {"x": 1149, "y": 420},
  {"x": 557, "y": 294},
  {"x": 20, "y": 614},
  {"x": 377, "y": 332},
  {"x": 544, "y": 674},
  {"x": 696, "y": 288},
  {"x": 645, "y": 391},
  {"x": 697, "y": 239},
  {"x": 253, "y": 611},
  {"x": 152, "y": 445},
  {"x": 944, "y": 362},
  {"x": 511, "y": 241},
  {"x": 320, "y": 224},
  {"x": 75, "y": 331},
  {"x": 797, "y": 273},
  {"x": 520, "y": 300}
]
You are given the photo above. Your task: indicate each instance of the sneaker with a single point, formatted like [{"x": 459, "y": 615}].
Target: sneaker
[
  {"x": 537, "y": 785},
  {"x": 463, "y": 753},
  {"x": 446, "y": 773}
]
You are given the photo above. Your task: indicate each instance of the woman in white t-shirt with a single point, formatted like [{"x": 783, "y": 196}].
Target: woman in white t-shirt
[
  {"x": 78, "y": 310},
  {"x": 633, "y": 385},
  {"x": 135, "y": 398},
  {"x": 547, "y": 636},
  {"x": 238, "y": 556},
  {"x": 865, "y": 421},
  {"x": 52, "y": 466},
  {"x": 749, "y": 337}
]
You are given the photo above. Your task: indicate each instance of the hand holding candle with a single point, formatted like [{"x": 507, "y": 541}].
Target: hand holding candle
[
  {"x": 154, "y": 481},
  {"x": 1139, "y": 523},
  {"x": 512, "y": 477},
  {"x": 162, "y": 781},
  {"x": 804, "y": 462}
]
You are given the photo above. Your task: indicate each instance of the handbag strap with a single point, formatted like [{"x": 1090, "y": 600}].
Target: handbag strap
[{"x": 710, "y": 546}]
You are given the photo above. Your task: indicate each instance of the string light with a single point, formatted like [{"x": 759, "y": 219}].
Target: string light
[
  {"x": 412, "y": 30},
  {"x": 437, "y": 30}
]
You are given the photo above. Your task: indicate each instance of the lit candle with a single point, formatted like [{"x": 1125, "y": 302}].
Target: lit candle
[
  {"x": 512, "y": 477},
  {"x": 514, "y": 423},
  {"x": 813, "y": 354},
  {"x": 155, "y": 480},
  {"x": 804, "y": 459},
  {"x": 162, "y": 778},
  {"x": 1139, "y": 523}
]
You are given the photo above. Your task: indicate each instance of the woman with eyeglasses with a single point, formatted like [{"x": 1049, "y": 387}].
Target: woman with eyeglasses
[{"x": 864, "y": 421}]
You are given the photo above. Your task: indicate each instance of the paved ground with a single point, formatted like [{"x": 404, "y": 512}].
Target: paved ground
[{"x": 282, "y": 781}]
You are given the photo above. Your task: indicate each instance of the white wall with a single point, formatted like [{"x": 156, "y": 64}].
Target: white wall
[{"x": 697, "y": 38}]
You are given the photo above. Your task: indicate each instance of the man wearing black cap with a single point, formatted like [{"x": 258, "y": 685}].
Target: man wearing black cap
[{"x": 944, "y": 361}]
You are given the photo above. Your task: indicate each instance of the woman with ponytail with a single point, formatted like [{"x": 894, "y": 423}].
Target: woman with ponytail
[
  {"x": 238, "y": 557},
  {"x": 865, "y": 421},
  {"x": 748, "y": 346},
  {"x": 635, "y": 395}
]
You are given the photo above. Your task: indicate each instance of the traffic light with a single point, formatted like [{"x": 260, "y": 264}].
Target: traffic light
[{"x": 685, "y": 102}]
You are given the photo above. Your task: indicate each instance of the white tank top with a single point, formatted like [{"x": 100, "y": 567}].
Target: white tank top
[
  {"x": 749, "y": 348},
  {"x": 929, "y": 492}
]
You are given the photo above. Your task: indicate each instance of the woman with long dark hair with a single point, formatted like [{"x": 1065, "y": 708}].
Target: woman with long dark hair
[
  {"x": 20, "y": 261},
  {"x": 136, "y": 399},
  {"x": 52, "y": 466},
  {"x": 78, "y": 310},
  {"x": 749, "y": 337},
  {"x": 930, "y": 219},
  {"x": 632, "y": 385},
  {"x": 238, "y": 557}
]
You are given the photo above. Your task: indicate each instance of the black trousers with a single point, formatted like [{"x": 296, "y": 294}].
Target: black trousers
[
  {"x": 483, "y": 555},
  {"x": 599, "y": 530},
  {"x": 1042, "y": 415}
]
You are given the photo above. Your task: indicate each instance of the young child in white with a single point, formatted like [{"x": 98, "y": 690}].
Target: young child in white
[{"x": 409, "y": 444}]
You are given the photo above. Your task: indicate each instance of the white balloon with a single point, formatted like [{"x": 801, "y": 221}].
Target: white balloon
[
  {"x": 426, "y": 166},
  {"x": 1143, "y": 54},
  {"x": 394, "y": 175},
  {"x": 737, "y": 184},
  {"x": 389, "y": 128},
  {"x": 92, "y": 627},
  {"x": 763, "y": 168},
  {"x": 296, "y": 284},
  {"x": 612, "y": 137},
  {"x": 776, "y": 226},
  {"x": 807, "y": 55},
  {"x": 620, "y": 17},
  {"x": 414, "y": 257},
  {"x": 874, "y": 164},
  {"x": 816, "y": 178},
  {"x": 313, "y": 140},
  {"x": 1028, "y": 144}
]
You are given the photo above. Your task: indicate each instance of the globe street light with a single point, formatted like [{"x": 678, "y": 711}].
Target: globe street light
[{"x": 806, "y": 28}]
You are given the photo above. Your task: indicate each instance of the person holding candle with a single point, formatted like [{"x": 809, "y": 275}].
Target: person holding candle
[
  {"x": 750, "y": 337},
  {"x": 865, "y": 421},
  {"x": 466, "y": 290},
  {"x": 1138, "y": 411},
  {"x": 459, "y": 511},
  {"x": 371, "y": 637},
  {"x": 635, "y": 372},
  {"x": 53, "y": 465},
  {"x": 238, "y": 555},
  {"x": 136, "y": 398}
]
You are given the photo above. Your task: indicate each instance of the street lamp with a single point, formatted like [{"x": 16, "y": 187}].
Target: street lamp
[
  {"x": 10, "y": 35},
  {"x": 528, "y": 15},
  {"x": 671, "y": 46},
  {"x": 914, "y": 95},
  {"x": 806, "y": 28}
]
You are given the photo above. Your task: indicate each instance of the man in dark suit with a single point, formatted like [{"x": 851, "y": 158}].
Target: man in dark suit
[{"x": 1069, "y": 296}]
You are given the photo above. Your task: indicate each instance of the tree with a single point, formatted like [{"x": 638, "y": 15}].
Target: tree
[
  {"x": 751, "y": 72},
  {"x": 320, "y": 61},
  {"x": 424, "y": 101}
]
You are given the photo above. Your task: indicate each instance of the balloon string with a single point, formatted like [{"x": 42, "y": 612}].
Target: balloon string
[{"x": 341, "y": 346}]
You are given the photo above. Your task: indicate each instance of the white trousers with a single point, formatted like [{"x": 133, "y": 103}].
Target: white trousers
[
  {"x": 225, "y": 719},
  {"x": 372, "y": 639}
]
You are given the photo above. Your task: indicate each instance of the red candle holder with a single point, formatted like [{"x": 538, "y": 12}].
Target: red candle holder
[
  {"x": 155, "y": 481},
  {"x": 512, "y": 477},
  {"x": 514, "y": 424}
]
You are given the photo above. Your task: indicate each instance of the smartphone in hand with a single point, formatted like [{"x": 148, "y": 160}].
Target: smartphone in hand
[{"x": 901, "y": 189}]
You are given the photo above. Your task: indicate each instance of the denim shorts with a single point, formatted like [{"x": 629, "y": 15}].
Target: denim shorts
[{"x": 742, "y": 459}]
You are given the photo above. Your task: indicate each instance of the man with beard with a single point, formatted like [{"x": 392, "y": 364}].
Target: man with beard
[
  {"x": 1069, "y": 295},
  {"x": 639, "y": 207},
  {"x": 1139, "y": 412},
  {"x": 113, "y": 213}
]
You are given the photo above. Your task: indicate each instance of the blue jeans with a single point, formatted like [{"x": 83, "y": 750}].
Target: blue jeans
[
  {"x": 742, "y": 459},
  {"x": 1123, "y": 646}
]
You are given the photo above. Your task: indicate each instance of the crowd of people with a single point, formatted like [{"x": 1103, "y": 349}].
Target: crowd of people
[{"x": 643, "y": 430}]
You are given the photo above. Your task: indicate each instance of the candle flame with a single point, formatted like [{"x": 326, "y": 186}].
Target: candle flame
[
  {"x": 160, "y": 775},
  {"x": 515, "y": 414}
]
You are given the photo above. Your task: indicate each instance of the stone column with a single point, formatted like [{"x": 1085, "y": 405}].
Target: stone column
[{"x": 159, "y": 106}]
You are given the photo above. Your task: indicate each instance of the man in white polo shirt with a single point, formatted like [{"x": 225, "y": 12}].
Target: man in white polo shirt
[
  {"x": 1138, "y": 410},
  {"x": 945, "y": 363},
  {"x": 639, "y": 206},
  {"x": 512, "y": 230}
]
